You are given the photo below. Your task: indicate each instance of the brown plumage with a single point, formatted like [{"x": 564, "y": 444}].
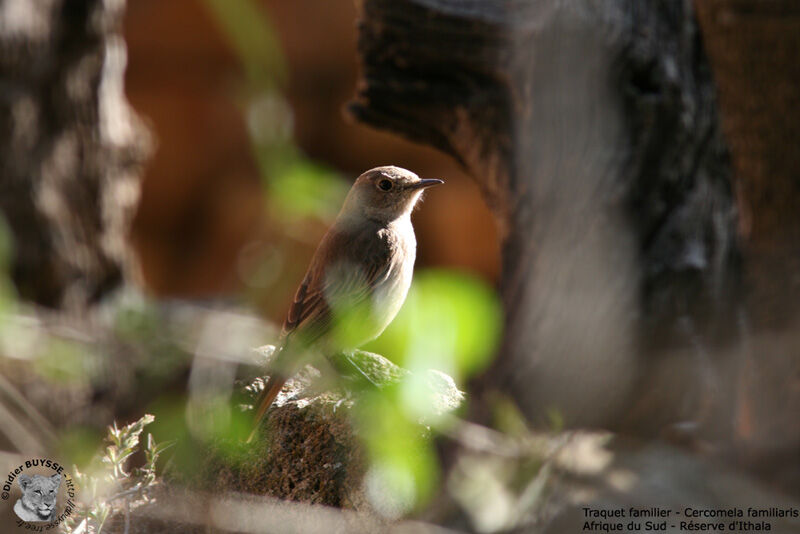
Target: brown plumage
[{"x": 361, "y": 271}]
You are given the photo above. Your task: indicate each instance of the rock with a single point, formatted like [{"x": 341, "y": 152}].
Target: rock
[{"x": 309, "y": 450}]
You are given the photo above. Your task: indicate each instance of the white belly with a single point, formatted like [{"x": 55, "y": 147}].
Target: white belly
[{"x": 390, "y": 296}]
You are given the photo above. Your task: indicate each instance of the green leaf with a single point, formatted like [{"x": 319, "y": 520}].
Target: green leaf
[
  {"x": 248, "y": 29},
  {"x": 7, "y": 292},
  {"x": 450, "y": 322},
  {"x": 300, "y": 188},
  {"x": 403, "y": 468}
]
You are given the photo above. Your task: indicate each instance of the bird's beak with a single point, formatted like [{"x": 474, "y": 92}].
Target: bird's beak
[{"x": 428, "y": 182}]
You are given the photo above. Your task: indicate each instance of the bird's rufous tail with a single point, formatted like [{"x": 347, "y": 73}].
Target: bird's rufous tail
[{"x": 271, "y": 390}]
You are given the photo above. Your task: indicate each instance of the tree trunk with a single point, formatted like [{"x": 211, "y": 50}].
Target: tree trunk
[
  {"x": 592, "y": 129},
  {"x": 70, "y": 148}
]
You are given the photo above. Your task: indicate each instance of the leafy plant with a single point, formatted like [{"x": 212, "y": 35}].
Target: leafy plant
[{"x": 110, "y": 486}]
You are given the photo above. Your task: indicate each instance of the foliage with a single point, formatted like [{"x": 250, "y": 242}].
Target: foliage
[
  {"x": 296, "y": 187},
  {"x": 7, "y": 294},
  {"x": 109, "y": 485},
  {"x": 451, "y": 323},
  {"x": 252, "y": 37}
]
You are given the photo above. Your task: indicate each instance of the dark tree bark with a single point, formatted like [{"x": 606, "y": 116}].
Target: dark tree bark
[
  {"x": 592, "y": 129},
  {"x": 70, "y": 148}
]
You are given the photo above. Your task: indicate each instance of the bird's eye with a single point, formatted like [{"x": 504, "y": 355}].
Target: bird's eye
[{"x": 385, "y": 184}]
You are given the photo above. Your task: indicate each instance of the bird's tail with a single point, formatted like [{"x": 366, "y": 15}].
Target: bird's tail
[{"x": 271, "y": 390}]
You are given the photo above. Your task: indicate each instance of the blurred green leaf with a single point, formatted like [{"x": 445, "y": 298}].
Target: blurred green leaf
[
  {"x": 404, "y": 470},
  {"x": 251, "y": 34},
  {"x": 66, "y": 361},
  {"x": 296, "y": 186},
  {"x": 170, "y": 425},
  {"x": 507, "y": 417},
  {"x": 78, "y": 445},
  {"x": 450, "y": 322},
  {"x": 7, "y": 293},
  {"x": 136, "y": 320},
  {"x": 6, "y": 245},
  {"x": 300, "y": 188},
  {"x": 213, "y": 418},
  {"x": 556, "y": 420}
]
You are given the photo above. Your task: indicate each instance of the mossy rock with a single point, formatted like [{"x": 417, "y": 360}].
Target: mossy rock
[{"x": 308, "y": 449}]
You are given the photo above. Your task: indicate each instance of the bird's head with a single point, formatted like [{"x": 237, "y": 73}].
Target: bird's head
[{"x": 385, "y": 193}]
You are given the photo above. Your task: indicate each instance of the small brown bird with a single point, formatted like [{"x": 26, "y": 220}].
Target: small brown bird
[{"x": 358, "y": 277}]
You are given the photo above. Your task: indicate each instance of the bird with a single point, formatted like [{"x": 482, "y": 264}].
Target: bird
[{"x": 358, "y": 277}]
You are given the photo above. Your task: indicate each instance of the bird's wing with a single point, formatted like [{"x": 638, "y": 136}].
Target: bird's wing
[{"x": 344, "y": 271}]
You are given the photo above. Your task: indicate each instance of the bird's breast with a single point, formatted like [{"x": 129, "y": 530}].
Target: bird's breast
[{"x": 390, "y": 294}]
